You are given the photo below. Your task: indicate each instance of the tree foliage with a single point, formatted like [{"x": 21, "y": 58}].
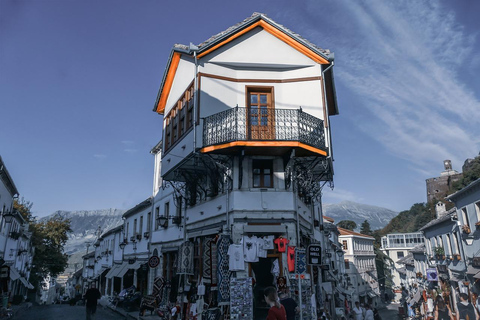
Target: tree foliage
[
  {"x": 48, "y": 239},
  {"x": 365, "y": 228},
  {"x": 347, "y": 224},
  {"x": 471, "y": 173}
]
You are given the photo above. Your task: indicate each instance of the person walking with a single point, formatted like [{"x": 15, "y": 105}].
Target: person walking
[
  {"x": 441, "y": 310},
  {"x": 277, "y": 310},
  {"x": 91, "y": 296},
  {"x": 466, "y": 311},
  {"x": 357, "y": 311},
  {"x": 368, "y": 313},
  {"x": 291, "y": 307}
]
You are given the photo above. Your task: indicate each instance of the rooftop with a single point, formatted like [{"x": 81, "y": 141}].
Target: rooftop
[{"x": 346, "y": 232}]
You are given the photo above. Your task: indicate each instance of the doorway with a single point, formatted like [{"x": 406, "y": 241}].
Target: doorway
[{"x": 260, "y": 113}]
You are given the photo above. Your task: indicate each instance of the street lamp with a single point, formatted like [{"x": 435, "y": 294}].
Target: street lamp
[
  {"x": 8, "y": 216},
  {"x": 162, "y": 221},
  {"x": 122, "y": 245}
]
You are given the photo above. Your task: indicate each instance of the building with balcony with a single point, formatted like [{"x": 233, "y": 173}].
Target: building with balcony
[
  {"x": 360, "y": 266},
  {"x": 16, "y": 252},
  {"x": 246, "y": 150},
  {"x": 397, "y": 246}
]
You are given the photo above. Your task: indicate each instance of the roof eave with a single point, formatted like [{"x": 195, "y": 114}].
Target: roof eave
[{"x": 455, "y": 195}]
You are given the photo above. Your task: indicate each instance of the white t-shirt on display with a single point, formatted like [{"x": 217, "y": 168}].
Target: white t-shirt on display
[
  {"x": 250, "y": 248},
  {"x": 236, "y": 261}
]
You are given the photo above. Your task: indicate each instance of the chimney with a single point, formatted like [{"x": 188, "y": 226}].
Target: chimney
[{"x": 440, "y": 209}]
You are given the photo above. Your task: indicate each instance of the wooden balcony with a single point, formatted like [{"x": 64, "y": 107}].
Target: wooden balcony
[{"x": 254, "y": 129}]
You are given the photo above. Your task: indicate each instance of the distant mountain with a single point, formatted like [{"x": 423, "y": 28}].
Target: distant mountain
[
  {"x": 378, "y": 217},
  {"x": 85, "y": 228}
]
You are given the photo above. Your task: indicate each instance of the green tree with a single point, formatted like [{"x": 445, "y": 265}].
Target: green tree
[
  {"x": 365, "y": 228},
  {"x": 469, "y": 175},
  {"x": 347, "y": 224},
  {"x": 48, "y": 239}
]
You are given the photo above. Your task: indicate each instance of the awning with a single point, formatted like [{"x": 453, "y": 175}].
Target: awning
[
  {"x": 472, "y": 270},
  {"x": 127, "y": 266},
  {"x": 111, "y": 273},
  {"x": 477, "y": 276},
  {"x": 417, "y": 296},
  {"x": 14, "y": 275},
  {"x": 372, "y": 294},
  {"x": 26, "y": 283}
]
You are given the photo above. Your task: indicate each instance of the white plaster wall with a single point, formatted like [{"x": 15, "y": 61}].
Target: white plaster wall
[{"x": 183, "y": 77}]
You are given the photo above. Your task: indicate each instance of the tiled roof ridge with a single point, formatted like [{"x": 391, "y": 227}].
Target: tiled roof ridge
[
  {"x": 245, "y": 21},
  {"x": 353, "y": 233}
]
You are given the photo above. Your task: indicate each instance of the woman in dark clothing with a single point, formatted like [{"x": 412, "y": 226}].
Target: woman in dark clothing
[
  {"x": 277, "y": 310},
  {"x": 441, "y": 310}
]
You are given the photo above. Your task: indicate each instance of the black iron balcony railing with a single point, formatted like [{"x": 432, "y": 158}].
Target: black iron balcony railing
[{"x": 263, "y": 124}]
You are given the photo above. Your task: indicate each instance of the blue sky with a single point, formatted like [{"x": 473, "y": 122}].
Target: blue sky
[{"x": 78, "y": 80}]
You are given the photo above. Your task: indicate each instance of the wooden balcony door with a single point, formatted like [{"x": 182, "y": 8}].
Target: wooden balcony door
[{"x": 261, "y": 113}]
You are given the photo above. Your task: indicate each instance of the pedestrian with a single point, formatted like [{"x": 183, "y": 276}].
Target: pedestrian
[
  {"x": 368, "y": 313},
  {"x": 91, "y": 297},
  {"x": 277, "y": 310},
  {"x": 376, "y": 314},
  {"x": 466, "y": 311},
  {"x": 357, "y": 311},
  {"x": 291, "y": 307},
  {"x": 441, "y": 310}
]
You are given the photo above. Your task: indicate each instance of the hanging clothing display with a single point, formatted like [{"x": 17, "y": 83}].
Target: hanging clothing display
[
  {"x": 236, "y": 260},
  {"x": 185, "y": 259},
  {"x": 261, "y": 251},
  {"x": 268, "y": 242},
  {"x": 250, "y": 248},
  {"x": 291, "y": 259},
  {"x": 281, "y": 244},
  {"x": 275, "y": 268},
  {"x": 223, "y": 272},
  {"x": 282, "y": 283}
]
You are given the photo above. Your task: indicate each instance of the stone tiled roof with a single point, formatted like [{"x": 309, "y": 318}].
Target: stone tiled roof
[
  {"x": 346, "y": 232},
  {"x": 418, "y": 249},
  {"x": 446, "y": 217},
  {"x": 407, "y": 260},
  {"x": 253, "y": 18}
]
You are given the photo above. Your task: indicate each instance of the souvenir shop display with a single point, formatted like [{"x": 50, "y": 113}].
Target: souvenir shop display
[
  {"x": 185, "y": 259},
  {"x": 236, "y": 258},
  {"x": 300, "y": 261},
  {"x": 250, "y": 248},
  {"x": 241, "y": 299},
  {"x": 305, "y": 291},
  {"x": 291, "y": 258},
  {"x": 281, "y": 243},
  {"x": 223, "y": 271}
]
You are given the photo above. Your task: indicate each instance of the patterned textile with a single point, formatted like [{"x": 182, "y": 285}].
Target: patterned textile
[
  {"x": 207, "y": 261},
  {"x": 300, "y": 261},
  {"x": 281, "y": 284},
  {"x": 185, "y": 259},
  {"x": 150, "y": 302},
  {"x": 213, "y": 262},
  {"x": 223, "y": 271},
  {"x": 212, "y": 314}
]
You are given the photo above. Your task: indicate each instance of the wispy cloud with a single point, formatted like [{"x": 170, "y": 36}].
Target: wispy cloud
[
  {"x": 338, "y": 195},
  {"x": 401, "y": 59},
  {"x": 99, "y": 156}
]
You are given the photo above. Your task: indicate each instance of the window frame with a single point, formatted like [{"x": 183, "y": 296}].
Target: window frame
[{"x": 262, "y": 165}]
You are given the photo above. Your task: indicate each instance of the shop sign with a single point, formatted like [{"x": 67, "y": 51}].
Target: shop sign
[
  {"x": 314, "y": 255},
  {"x": 432, "y": 275},
  {"x": 476, "y": 262},
  {"x": 154, "y": 261},
  {"x": 325, "y": 267}
]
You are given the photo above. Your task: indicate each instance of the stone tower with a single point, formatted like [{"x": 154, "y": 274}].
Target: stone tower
[{"x": 437, "y": 188}]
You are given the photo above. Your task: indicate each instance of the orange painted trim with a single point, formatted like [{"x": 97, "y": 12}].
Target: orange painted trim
[
  {"x": 168, "y": 82},
  {"x": 263, "y": 144},
  {"x": 275, "y": 32}
]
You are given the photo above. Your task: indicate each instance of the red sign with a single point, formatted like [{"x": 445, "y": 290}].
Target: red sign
[{"x": 154, "y": 261}]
